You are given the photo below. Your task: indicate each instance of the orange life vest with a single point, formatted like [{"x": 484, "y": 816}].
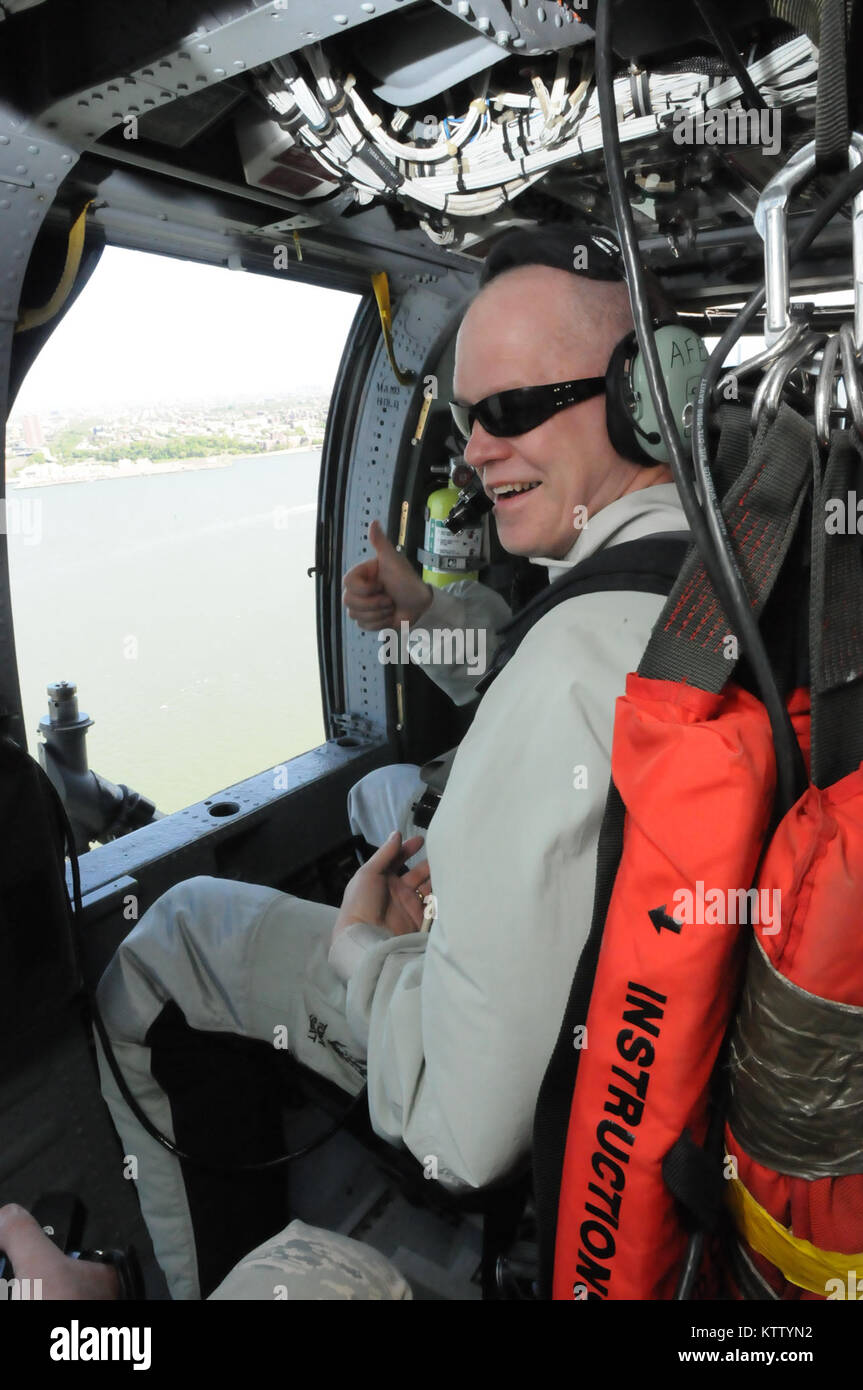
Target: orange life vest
[
  {"x": 664, "y": 987},
  {"x": 688, "y": 815}
]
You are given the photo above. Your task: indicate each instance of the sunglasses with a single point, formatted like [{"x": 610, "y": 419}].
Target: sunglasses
[{"x": 510, "y": 413}]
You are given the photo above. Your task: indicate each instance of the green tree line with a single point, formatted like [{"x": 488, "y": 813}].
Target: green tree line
[{"x": 180, "y": 447}]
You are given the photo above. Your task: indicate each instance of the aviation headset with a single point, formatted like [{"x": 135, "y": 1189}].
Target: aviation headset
[{"x": 631, "y": 419}]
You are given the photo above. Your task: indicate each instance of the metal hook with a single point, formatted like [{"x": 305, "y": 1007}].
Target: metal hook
[
  {"x": 766, "y": 357},
  {"x": 824, "y": 390},
  {"x": 770, "y": 387},
  {"x": 853, "y": 389},
  {"x": 771, "y": 223}
]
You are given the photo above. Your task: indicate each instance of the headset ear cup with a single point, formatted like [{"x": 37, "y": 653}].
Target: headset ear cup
[{"x": 618, "y": 402}]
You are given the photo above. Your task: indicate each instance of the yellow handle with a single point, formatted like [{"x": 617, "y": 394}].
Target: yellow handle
[
  {"x": 34, "y": 318},
  {"x": 381, "y": 287}
]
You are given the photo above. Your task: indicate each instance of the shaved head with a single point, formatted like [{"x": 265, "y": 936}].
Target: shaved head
[
  {"x": 551, "y": 321},
  {"x": 578, "y": 310}
]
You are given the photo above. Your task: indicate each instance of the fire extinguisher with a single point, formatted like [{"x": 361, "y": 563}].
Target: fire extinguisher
[{"x": 449, "y": 555}]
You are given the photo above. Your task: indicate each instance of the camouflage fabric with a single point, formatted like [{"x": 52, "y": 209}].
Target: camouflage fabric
[{"x": 308, "y": 1263}]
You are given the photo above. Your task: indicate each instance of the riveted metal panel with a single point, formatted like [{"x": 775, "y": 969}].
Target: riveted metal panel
[
  {"x": 525, "y": 26},
  {"x": 213, "y": 52},
  {"x": 384, "y": 426},
  {"x": 31, "y": 170}
]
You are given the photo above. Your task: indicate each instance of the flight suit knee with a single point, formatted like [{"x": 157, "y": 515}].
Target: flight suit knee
[{"x": 192, "y": 947}]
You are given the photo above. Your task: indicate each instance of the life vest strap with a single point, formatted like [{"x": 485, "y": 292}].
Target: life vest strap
[
  {"x": 799, "y": 1261},
  {"x": 694, "y": 1179}
]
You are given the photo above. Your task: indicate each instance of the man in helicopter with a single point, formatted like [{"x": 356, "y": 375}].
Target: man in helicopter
[{"x": 451, "y": 1028}]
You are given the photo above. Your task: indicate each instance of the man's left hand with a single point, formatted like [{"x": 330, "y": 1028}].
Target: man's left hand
[{"x": 379, "y": 894}]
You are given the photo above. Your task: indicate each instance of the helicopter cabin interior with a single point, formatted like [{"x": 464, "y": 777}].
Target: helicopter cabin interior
[{"x": 330, "y": 144}]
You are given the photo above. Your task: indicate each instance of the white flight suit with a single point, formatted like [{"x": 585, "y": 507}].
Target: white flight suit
[{"x": 456, "y": 1026}]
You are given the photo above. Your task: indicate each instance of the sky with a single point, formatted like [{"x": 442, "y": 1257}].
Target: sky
[{"x": 149, "y": 329}]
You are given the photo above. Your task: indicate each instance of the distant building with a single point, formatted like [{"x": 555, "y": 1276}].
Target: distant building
[{"x": 33, "y": 435}]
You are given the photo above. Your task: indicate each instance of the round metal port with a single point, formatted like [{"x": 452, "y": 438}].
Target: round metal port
[{"x": 224, "y": 808}]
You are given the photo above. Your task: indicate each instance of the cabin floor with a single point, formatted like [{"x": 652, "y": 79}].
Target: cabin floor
[
  {"x": 58, "y": 1137},
  {"x": 344, "y": 1188}
]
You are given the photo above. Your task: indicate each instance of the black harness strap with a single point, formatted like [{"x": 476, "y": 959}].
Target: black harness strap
[
  {"x": 689, "y": 643},
  {"x": 831, "y": 96},
  {"x": 836, "y": 612},
  {"x": 732, "y": 451},
  {"x": 551, "y": 1118},
  {"x": 649, "y": 565}
]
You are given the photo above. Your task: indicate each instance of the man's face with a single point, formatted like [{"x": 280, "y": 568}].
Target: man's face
[{"x": 534, "y": 326}]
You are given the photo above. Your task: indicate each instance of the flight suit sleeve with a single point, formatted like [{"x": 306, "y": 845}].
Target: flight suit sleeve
[
  {"x": 456, "y": 637},
  {"x": 459, "y": 1024}
]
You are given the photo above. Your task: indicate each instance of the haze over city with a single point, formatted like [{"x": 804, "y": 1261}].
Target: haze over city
[
  {"x": 126, "y": 339},
  {"x": 161, "y": 361}
]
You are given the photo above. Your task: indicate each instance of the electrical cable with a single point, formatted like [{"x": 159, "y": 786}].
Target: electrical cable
[
  {"x": 709, "y": 533},
  {"x": 533, "y": 132},
  {"x": 721, "y": 37},
  {"x": 790, "y": 771},
  {"x": 846, "y": 188},
  {"x": 841, "y": 191}
]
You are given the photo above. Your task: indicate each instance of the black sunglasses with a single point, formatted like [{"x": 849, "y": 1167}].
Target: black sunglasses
[{"x": 510, "y": 413}]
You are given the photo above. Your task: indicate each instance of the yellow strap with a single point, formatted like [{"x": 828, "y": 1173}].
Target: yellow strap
[
  {"x": 801, "y": 1263},
  {"x": 381, "y": 287},
  {"x": 34, "y": 318}
]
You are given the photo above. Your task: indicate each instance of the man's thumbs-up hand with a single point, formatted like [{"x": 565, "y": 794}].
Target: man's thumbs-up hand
[{"x": 386, "y": 590}]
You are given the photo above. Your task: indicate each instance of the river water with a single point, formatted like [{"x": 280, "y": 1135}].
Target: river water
[{"x": 181, "y": 606}]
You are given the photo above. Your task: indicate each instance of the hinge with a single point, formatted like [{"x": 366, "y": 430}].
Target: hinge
[{"x": 357, "y": 726}]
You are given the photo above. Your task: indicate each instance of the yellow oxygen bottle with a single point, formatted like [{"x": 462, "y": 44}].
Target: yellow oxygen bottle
[{"x": 448, "y": 556}]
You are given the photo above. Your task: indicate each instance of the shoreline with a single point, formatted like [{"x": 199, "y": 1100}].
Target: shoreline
[{"x": 84, "y": 472}]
